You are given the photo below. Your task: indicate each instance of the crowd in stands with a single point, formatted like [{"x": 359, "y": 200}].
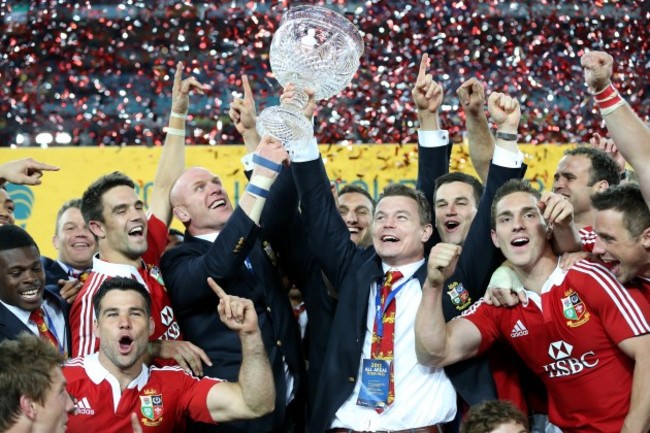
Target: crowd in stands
[{"x": 96, "y": 70}]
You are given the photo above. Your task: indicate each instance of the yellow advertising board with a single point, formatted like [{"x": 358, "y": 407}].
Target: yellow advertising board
[{"x": 369, "y": 166}]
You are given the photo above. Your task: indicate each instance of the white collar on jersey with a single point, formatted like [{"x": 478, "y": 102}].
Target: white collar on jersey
[
  {"x": 97, "y": 373},
  {"x": 117, "y": 269}
]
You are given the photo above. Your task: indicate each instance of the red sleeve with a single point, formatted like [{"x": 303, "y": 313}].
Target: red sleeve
[
  {"x": 622, "y": 314},
  {"x": 156, "y": 240},
  {"x": 486, "y": 318},
  {"x": 195, "y": 397}
]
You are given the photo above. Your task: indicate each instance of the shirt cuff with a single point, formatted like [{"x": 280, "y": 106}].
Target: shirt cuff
[
  {"x": 437, "y": 138},
  {"x": 506, "y": 158},
  {"x": 303, "y": 151},
  {"x": 247, "y": 160}
]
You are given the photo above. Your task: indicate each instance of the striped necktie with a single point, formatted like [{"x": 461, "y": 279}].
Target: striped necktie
[
  {"x": 382, "y": 346},
  {"x": 38, "y": 317}
]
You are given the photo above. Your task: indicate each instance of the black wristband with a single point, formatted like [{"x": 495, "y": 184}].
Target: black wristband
[{"x": 506, "y": 136}]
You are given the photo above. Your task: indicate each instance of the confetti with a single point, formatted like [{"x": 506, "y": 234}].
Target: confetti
[{"x": 102, "y": 71}]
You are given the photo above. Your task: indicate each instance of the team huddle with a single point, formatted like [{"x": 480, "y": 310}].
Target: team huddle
[{"x": 412, "y": 308}]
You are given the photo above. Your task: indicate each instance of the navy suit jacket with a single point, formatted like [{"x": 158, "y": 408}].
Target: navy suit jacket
[
  {"x": 185, "y": 269},
  {"x": 472, "y": 378},
  {"x": 53, "y": 273},
  {"x": 11, "y": 326},
  {"x": 352, "y": 273}
]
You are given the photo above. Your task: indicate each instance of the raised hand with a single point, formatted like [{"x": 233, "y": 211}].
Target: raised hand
[
  {"x": 236, "y": 313},
  {"x": 243, "y": 111},
  {"x": 181, "y": 90},
  {"x": 556, "y": 209},
  {"x": 504, "y": 111},
  {"x": 607, "y": 145},
  {"x": 471, "y": 96},
  {"x": 598, "y": 67},
  {"x": 442, "y": 263},
  {"x": 427, "y": 94}
]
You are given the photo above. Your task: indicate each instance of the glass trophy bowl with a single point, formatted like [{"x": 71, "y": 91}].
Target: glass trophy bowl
[{"x": 314, "y": 48}]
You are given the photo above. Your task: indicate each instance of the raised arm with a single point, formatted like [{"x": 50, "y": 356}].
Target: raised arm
[
  {"x": 631, "y": 135},
  {"x": 438, "y": 343},
  {"x": 479, "y": 137},
  {"x": 433, "y": 143},
  {"x": 172, "y": 157},
  {"x": 244, "y": 116},
  {"x": 427, "y": 95},
  {"x": 253, "y": 395}
]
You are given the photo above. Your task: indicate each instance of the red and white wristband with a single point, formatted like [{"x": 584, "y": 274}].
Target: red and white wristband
[{"x": 608, "y": 100}]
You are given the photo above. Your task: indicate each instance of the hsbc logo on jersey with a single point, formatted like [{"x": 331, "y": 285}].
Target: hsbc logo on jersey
[
  {"x": 167, "y": 315},
  {"x": 566, "y": 365},
  {"x": 173, "y": 331}
]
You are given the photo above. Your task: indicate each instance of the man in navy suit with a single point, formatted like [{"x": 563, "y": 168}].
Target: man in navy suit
[
  {"x": 227, "y": 245},
  {"x": 25, "y": 305},
  {"x": 402, "y": 227},
  {"x": 75, "y": 246}
]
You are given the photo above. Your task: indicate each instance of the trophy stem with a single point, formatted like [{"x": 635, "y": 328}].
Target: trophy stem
[{"x": 298, "y": 102}]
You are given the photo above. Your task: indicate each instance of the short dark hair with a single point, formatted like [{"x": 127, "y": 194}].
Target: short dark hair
[
  {"x": 91, "y": 201},
  {"x": 13, "y": 236},
  {"x": 124, "y": 284},
  {"x": 510, "y": 187},
  {"x": 26, "y": 365},
  {"x": 628, "y": 200},
  {"x": 73, "y": 203},
  {"x": 603, "y": 166},
  {"x": 476, "y": 185},
  {"x": 356, "y": 189},
  {"x": 398, "y": 189},
  {"x": 487, "y": 416}
]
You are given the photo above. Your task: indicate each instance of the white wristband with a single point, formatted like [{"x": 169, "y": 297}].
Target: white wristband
[
  {"x": 605, "y": 111},
  {"x": 177, "y": 132},
  {"x": 262, "y": 181},
  {"x": 179, "y": 115}
]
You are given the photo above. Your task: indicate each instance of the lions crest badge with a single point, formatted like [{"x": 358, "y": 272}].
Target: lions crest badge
[{"x": 459, "y": 295}]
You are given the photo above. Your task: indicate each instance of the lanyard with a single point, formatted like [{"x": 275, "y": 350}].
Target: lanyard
[
  {"x": 50, "y": 326},
  {"x": 379, "y": 311}
]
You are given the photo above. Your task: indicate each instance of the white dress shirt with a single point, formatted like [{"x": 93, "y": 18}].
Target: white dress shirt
[{"x": 423, "y": 395}]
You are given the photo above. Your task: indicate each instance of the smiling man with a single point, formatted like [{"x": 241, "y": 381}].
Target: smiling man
[
  {"x": 622, "y": 222},
  {"x": 224, "y": 243},
  {"x": 356, "y": 208},
  {"x": 581, "y": 172},
  {"x": 75, "y": 245},
  {"x": 131, "y": 242},
  {"x": 25, "y": 305},
  {"x": 33, "y": 388},
  {"x": 586, "y": 336}
]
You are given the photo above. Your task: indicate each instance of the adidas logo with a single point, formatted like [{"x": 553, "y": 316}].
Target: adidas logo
[
  {"x": 519, "y": 330},
  {"x": 82, "y": 407}
]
